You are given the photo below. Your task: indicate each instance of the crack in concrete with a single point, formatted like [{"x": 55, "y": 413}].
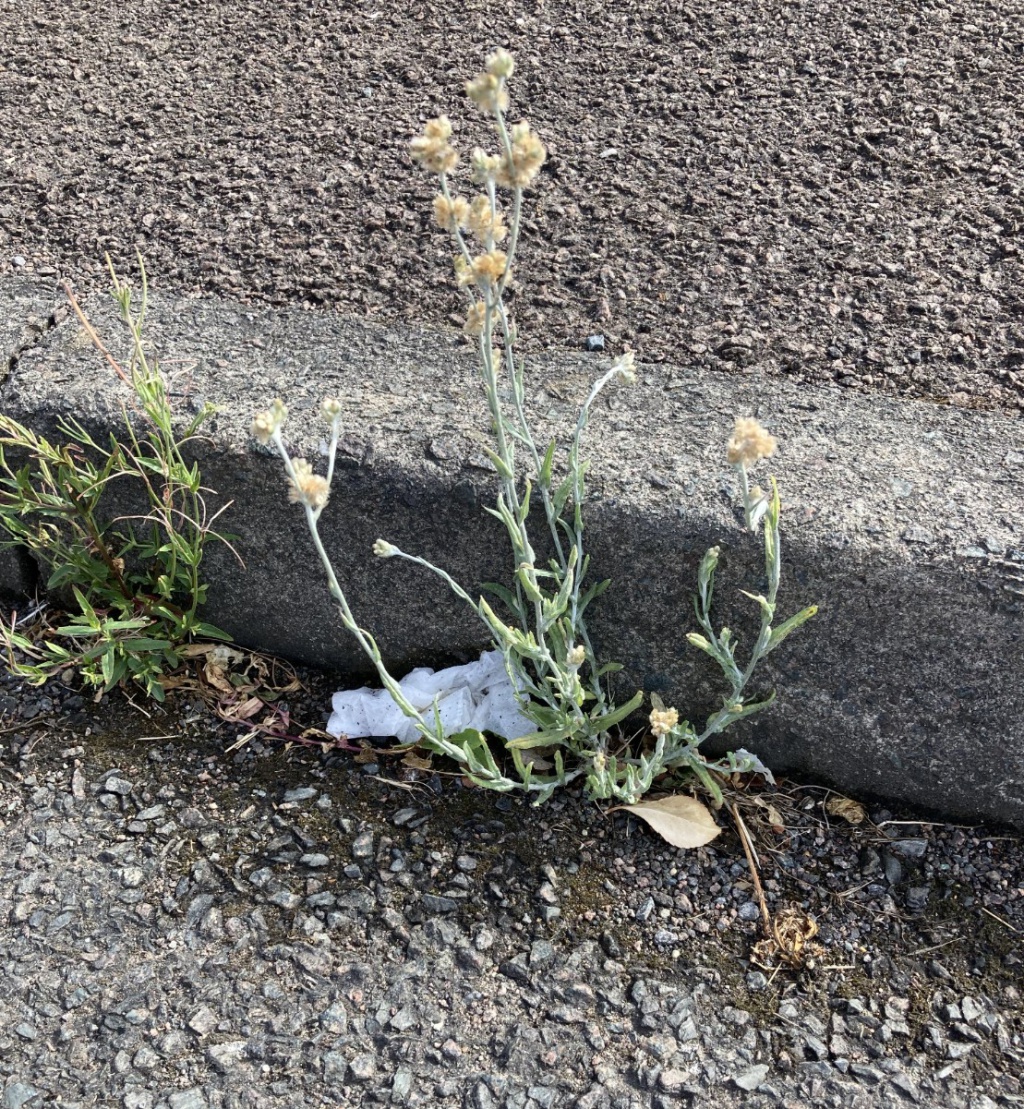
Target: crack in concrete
[{"x": 37, "y": 329}]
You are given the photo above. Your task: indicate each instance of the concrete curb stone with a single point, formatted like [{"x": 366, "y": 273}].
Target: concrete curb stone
[{"x": 902, "y": 520}]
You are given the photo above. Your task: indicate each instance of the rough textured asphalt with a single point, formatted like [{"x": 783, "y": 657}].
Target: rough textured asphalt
[
  {"x": 187, "y": 926},
  {"x": 831, "y": 192}
]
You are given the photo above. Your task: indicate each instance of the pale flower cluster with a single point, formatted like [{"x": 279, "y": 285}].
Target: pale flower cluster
[
  {"x": 264, "y": 424},
  {"x": 488, "y": 92},
  {"x": 452, "y": 214},
  {"x": 484, "y": 165},
  {"x": 484, "y": 270},
  {"x": 455, "y": 213},
  {"x": 487, "y": 225},
  {"x": 749, "y": 442},
  {"x": 663, "y": 721},
  {"x": 522, "y": 166},
  {"x": 476, "y": 319},
  {"x": 306, "y": 487},
  {"x": 432, "y": 150},
  {"x": 500, "y": 64},
  {"x": 625, "y": 368}
]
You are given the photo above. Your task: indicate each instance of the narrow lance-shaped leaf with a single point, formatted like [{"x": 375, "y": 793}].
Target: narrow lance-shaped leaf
[
  {"x": 617, "y": 715},
  {"x": 503, "y": 594},
  {"x": 767, "y": 608},
  {"x": 499, "y": 464},
  {"x": 544, "y": 477},
  {"x": 790, "y": 625},
  {"x": 706, "y": 578},
  {"x": 524, "y": 507}
]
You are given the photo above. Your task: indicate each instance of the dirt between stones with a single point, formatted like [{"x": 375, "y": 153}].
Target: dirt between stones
[
  {"x": 826, "y": 191},
  {"x": 186, "y": 926}
]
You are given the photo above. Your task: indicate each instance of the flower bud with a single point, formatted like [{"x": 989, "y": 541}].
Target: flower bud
[
  {"x": 263, "y": 427},
  {"x": 330, "y": 409},
  {"x": 484, "y": 165},
  {"x": 383, "y": 549},
  {"x": 625, "y": 370},
  {"x": 501, "y": 64},
  {"x": 265, "y": 424},
  {"x": 488, "y": 92}
]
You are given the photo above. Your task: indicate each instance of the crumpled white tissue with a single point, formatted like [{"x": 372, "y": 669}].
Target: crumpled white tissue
[{"x": 478, "y": 695}]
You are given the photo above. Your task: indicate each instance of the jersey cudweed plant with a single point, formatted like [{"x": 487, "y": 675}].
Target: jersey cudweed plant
[
  {"x": 538, "y": 620},
  {"x": 137, "y": 589}
]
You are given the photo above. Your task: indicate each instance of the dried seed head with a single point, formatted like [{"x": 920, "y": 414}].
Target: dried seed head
[
  {"x": 501, "y": 64},
  {"x": 625, "y": 370},
  {"x": 431, "y": 149},
  {"x": 487, "y": 91},
  {"x": 484, "y": 165},
  {"x": 576, "y": 657},
  {"x": 306, "y": 487},
  {"x": 749, "y": 442},
  {"x": 485, "y": 269},
  {"x": 476, "y": 319},
  {"x": 450, "y": 214},
  {"x": 463, "y": 273},
  {"x": 527, "y": 156},
  {"x": 486, "y": 225},
  {"x": 663, "y": 721}
]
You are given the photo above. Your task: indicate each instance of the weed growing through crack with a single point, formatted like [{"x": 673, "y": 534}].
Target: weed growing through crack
[
  {"x": 538, "y": 620},
  {"x": 135, "y": 581}
]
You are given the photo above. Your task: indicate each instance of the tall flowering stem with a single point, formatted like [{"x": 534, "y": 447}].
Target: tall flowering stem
[
  {"x": 312, "y": 493},
  {"x": 541, "y": 629},
  {"x": 548, "y": 647},
  {"x": 748, "y": 445}
]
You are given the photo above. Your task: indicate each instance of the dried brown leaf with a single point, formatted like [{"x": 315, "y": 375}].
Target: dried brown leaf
[
  {"x": 416, "y": 762},
  {"x": 850, "y": 811},
  {"x": 679, "y": 819},
  {"x": 245, "y": 711},
  {"x": 772, "y": 814},
  {"x": 216, "y": 676},
  {"x": 537, "y": 760}
]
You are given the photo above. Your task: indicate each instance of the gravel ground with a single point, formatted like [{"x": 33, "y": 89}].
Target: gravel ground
[
  {"x": 186, "y": 926},
  {"x": 827, "y": 191}
]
